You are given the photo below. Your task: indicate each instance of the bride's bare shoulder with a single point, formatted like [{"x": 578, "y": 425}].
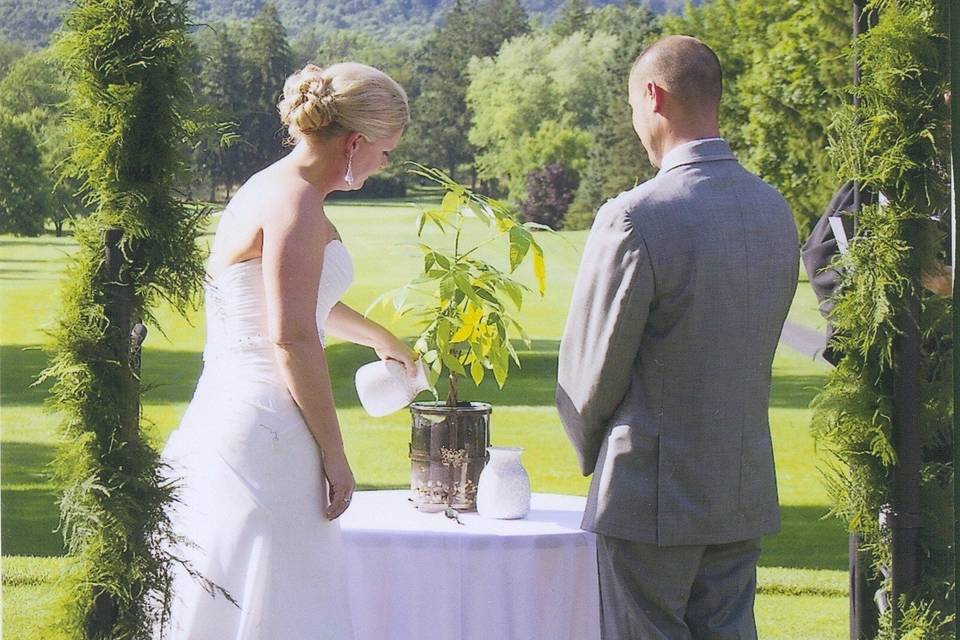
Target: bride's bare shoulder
[{"x": 277, "y": 197}]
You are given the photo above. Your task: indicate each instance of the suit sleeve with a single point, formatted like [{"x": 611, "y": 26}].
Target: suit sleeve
[{"x": 608, "y": 311}]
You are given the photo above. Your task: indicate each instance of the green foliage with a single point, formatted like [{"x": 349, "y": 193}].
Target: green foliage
[
  {"x": 218, "y": 73},
  {"x": 127, "y": 127},
  {"x": 782, "y": 76},
  {"x": 32, "y": 21},
  {"x": 534, "y": 102},
  {"x": 462, "y": 300},
  {"x": 24, "y": 188},
  {"x": 572, "y": 18},
  {"x": 267, "y": 63},
  {"x": 10, "y": 52},
  {"x": 439, "y": 110},
  {"x": 921, "y": 621},
  {"x": 616, "y": 161},
  {"x": 34, "y": 91},
  {"x": 894, "y": 143}
]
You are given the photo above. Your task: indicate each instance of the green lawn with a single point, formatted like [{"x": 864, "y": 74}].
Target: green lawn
[{"x": 802, "y": 575}]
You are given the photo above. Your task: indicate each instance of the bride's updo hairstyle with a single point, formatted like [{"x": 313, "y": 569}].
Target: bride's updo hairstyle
[{"x": 322, "y": 103}]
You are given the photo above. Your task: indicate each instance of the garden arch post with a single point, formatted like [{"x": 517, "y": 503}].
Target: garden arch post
[
  {"x": 864, "y": 615},
  {"x": 954, "y": 160}
]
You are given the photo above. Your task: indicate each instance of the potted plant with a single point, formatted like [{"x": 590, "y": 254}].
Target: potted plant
[{"x": 465, "y": 306}]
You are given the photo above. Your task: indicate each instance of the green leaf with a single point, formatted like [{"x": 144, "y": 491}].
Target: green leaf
[
  {"x": 452, "y": 363},
  {"x": 539, "y": 268},
  {"x": 513, "y": 290},
  {"x": 501, "y": 364},
  {"x": 463, "y": 283},
  {"x": 482, "y": 212},
  {"x": 451, "y": 202},
  {"x": 513, "y": 353},
  {"x": 536, "y": 226},
  {"x": 476, "y": 372},
  {"x": 519, "y": 246}
]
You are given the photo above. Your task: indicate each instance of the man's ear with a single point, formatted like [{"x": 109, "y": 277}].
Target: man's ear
[{"x": 657, "y": 94}]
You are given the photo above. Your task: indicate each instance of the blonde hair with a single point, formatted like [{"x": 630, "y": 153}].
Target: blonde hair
[{"x": 344, "y": 97}]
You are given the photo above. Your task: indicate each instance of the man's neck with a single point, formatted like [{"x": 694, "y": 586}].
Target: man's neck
[{"x": 672, "y": 141}]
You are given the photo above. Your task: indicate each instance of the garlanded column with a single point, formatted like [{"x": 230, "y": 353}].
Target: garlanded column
[
  {"x": 128, "y": 127},
  {"x": 886, "y": 411}
]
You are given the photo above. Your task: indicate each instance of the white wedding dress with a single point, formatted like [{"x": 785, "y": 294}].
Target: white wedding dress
[{"x": 252, "y": 494}]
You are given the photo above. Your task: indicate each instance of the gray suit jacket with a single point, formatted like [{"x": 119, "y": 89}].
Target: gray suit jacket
[{"x": 665, "y": 363}]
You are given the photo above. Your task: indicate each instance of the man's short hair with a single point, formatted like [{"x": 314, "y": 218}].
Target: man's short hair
[{"x": 683, "y": 66}]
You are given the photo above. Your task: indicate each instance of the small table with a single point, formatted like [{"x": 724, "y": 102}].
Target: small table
[{"x": 422, "y": 576}]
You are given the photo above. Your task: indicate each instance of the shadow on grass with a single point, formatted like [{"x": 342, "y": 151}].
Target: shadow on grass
[
  {"x": 806, "y": 540},
  {"x": 29, "y": 513},
  {"x": 794, "y": 392},
  {"x": 170, "y": 377}
]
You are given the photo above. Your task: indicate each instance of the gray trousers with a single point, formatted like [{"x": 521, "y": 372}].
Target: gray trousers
[{"x": 697, "y": 592}]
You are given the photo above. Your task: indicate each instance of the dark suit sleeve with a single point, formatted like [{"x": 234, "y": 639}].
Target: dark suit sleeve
[
  {"x": 608, "y": 311},
  {"x": 819, "y": 251}
]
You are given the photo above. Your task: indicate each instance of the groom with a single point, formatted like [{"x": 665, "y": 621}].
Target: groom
[{"x": 664, "y": 375}]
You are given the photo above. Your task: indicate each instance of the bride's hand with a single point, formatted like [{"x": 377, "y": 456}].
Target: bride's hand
[
  {"x": 341, "y": 484},
  {"x": 394, "y": 349}
]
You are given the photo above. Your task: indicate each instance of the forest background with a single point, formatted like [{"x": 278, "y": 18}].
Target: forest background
[{"x": 525, "y": 100}]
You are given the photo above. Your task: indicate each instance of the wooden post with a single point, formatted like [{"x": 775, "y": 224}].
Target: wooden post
[{"x": 119, "y": 308}]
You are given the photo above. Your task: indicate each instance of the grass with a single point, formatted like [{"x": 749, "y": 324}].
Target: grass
[{"x": 802, "y": 576}]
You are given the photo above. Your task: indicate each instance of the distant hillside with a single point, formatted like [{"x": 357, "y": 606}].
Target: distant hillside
[{"x": 32, "y": 21}]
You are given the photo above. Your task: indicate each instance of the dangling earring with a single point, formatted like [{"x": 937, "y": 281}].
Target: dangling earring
[{"x": 349, "y": 177}]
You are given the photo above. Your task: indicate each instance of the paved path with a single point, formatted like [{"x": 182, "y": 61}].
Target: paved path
[{"x": 807, "y": 341}]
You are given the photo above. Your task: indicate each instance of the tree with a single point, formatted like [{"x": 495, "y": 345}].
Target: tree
[
  {"x": 127, "y": 128},
  {"x": 10, "y": 52},
  {"x": 573, "y": 18},
  {"x": 34, "y": 92},
  {"x": 24, "y": 188},
  {"x": 534, "y": 104},
  {"x": 218, "y": 78},
  {"x": 781, "y": 80},
  {"x": 267, "y": 63},
  {"x": 441, "y": 116},
  {"x": 550, "y": 191}
]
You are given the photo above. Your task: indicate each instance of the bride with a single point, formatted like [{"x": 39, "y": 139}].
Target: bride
[{"x": 258, "y": 458}]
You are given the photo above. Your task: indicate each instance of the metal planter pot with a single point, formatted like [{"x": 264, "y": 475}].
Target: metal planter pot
[{"x": 448, "y": 450}]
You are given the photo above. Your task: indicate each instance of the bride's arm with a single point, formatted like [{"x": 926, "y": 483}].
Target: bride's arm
[
  {"x": 291, "y": 275},
  {"x": 346, "y": 324}
]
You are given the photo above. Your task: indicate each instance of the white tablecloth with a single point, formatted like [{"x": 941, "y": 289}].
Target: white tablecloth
[{"x": 422, "y": 576}]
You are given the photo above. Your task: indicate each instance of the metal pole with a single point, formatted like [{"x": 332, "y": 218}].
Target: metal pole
[
  {"x": 860, "y": 25},
  {"x": 906, "y": 519},
  {"x": 864, "y": 618},
  {"x": 954, "y": 161}
]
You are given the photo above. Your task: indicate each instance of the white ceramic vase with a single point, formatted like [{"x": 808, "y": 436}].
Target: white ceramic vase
[
  {"x": 384, "y": 386},
  {"x": 503, "y": 491}
]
